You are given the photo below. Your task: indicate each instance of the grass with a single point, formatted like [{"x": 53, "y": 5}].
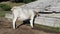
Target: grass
[
  {"x": 46, "y": 28},
  {"x": 55, "y": 29},
  {"x": 2, "y": 13}
]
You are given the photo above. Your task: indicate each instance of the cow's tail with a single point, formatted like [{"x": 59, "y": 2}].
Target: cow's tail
[
  {"x": 13, "y": 8},
  {"x": 12, "y": 12}
]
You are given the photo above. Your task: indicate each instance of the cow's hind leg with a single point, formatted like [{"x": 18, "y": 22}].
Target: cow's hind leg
[
  {"x": 31, "y": 21},
  {"x": 14, "y": 22}
]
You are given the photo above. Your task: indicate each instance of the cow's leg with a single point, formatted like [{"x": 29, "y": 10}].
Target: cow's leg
[
  {"x": 14, "y": 22},
  {"x": 31, "y": 21}
]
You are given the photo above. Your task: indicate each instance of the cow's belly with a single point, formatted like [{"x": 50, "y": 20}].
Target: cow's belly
[{"x": 23, "y": 17}]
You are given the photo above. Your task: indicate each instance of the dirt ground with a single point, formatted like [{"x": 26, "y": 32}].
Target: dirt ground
[{"x": 6, "y": 28}]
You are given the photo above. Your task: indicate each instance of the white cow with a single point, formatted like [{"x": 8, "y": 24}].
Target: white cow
[
  {"x": 28, "y": 11},
  {"x": 22, "y": 14}
]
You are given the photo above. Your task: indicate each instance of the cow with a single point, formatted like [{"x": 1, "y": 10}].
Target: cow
[
  {"x": 23, "y": 14},
  {"x": 28, "y": 11}
]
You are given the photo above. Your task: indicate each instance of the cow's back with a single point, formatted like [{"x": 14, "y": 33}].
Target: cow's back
[{"x": 25, "y": 13}]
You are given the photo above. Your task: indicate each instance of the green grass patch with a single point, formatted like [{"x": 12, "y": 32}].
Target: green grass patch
[
  {"x": 55, "y": 29},
  {"x": 2, "y": 13},
  {"x": 5, "y": 7},
  {"x": 46, "y": 28}
]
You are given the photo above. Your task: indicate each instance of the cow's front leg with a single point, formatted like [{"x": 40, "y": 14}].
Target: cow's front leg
[
  {"x": 14, "y": 22},
  {"x": 31, "y": 21}
]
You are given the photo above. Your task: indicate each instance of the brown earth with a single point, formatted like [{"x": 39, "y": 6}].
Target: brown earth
[{"x": 6, "y": 28}]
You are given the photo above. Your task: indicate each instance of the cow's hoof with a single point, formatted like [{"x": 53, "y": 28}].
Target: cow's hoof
[
  {"x": 14, "y": 28},
  {"x": 32, "y": 28}
]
